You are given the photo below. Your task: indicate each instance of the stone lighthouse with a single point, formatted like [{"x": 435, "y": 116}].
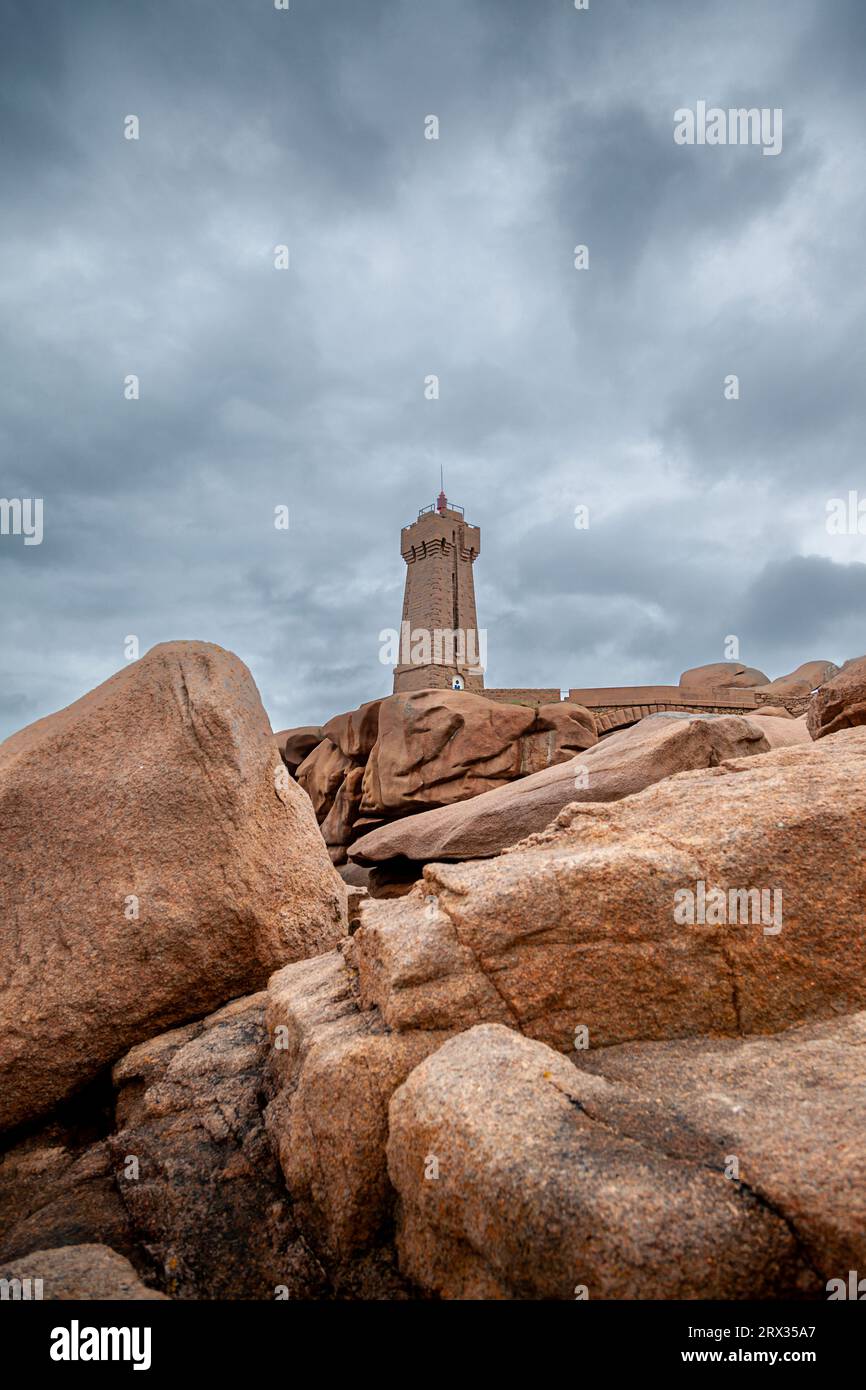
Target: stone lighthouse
[{"x": 440, "y": 645}]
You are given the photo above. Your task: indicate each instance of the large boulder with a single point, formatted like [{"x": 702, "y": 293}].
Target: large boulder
[
  {"x": 617, "y": 766},
  {"x": 332, "y": 781},
  {"x": 713, "y": 1168},
  {"x": 727, "y": 900},
  {"x": 331, "y": 1072},
  {"x": 356, "y": 732},
  {"x": 841, "y": 703},
  {"x": 338, "y": 827},
  {"x": 195, "y": 1168},
  {"x": 560, "y": 731},
  {"x": 780, "y": 728},
  {"x": 77, "y": 1273},
  {"x": 297, "y": 744},
  {"x": 53, "y": 1193},
  {"x": 333, "y": 772},
  {"x": 321, "y": 775},
  {"x": 803, "y": 681},
  {"x": 158, "y": 861},
  {"x": 436, "y": 747},
  {"x": 788, "y": 1108},
  {"x": 722, "y": 675},
  {"x": 429, "y": 748}
]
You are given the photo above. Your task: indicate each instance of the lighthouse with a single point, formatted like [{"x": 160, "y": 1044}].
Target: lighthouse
[{"x": 440, "y": 643}]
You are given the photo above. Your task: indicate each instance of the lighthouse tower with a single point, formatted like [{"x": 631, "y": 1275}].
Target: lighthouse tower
[{"x": 440, "y": 645}]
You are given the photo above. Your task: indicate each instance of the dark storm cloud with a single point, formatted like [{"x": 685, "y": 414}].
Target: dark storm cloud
[
  {"x": 411, "y": 257},
  {"x": 804, "y": 598}
]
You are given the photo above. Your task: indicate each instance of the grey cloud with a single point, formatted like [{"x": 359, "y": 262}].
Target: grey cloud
[
  {"x": 806, "y": 599},
  {"x": 411, "y": 257}
]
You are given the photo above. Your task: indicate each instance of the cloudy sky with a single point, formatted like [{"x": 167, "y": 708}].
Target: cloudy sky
[{"x": 304, "y": 387}]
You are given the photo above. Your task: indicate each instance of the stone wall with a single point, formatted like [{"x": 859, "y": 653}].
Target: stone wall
[
  {"x": 614, "y": 707},
  {"x": 524, "y": 696}
]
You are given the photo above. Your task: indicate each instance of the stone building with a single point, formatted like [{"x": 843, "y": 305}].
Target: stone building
[{"x": 440, "y": 645}]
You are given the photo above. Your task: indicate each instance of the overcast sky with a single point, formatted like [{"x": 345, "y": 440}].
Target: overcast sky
[{"x": 408, "y": 257}]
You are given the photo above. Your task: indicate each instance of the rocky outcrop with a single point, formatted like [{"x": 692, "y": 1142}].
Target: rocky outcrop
[
  {"x": 779, "y": 727},
  {"x": 788, "y": 1109},
  {"x": 618, "y": 766},
  {"x": 621, "y": 1059},
  {"x": 333, "y": 771},
  {"x": 707, "y": 1169},
  {"x": 331, "y": 1072},
  {"x": 196, "y": 1170},
  {"x": 355, "y": 733},
  {"x": 158, "y": 861},
  {"x": 587, "y": 924},
  {"x": 841, "y": 702},
  {"x": 297, "y": 744},
  {"x": 79, "y": 1272},
  {"x": 436, "y": 747},
  {"x": 803, "y": 681},
  {"x": 578, "y": 934},
  {"x": 321, "y": 775},
  {"x": 338, "y": 825},
  {"x": 429, "y": 748},
  {"x": 53, "y": 1194},
  {"x": 560, "y": 732}
]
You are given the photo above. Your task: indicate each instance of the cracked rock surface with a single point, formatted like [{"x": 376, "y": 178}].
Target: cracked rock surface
[
  {"x": 576, "y": 926},
  {"x": 521, "y": 1174},
  {"x": 791, "y": 1108},
  {"x": 194, "y": 1166},
  {"x": 331, "y": 1072}
]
